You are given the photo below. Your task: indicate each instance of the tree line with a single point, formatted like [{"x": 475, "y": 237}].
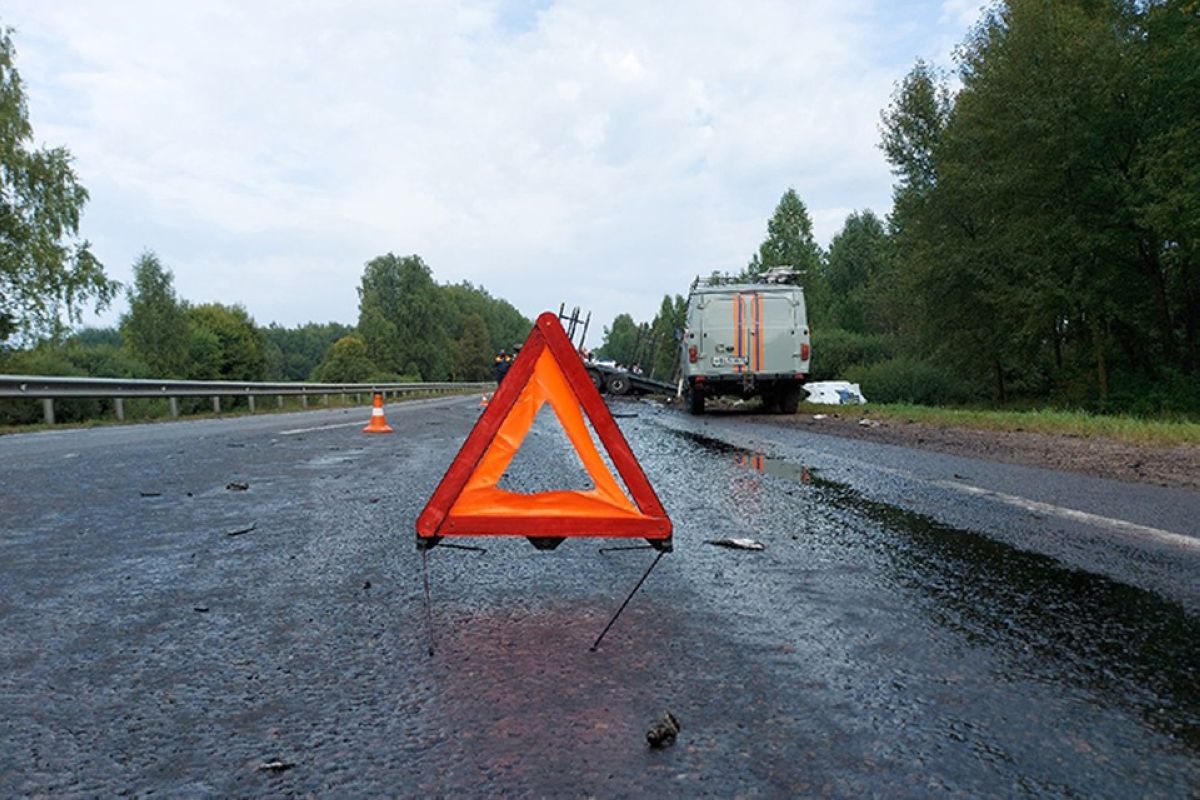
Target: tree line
[
  {"x": 1043, "y": 241},
  {"x": 410, "y": 328}
]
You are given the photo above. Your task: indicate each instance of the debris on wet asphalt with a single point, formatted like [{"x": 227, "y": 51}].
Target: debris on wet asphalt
[
  {"x": 737, "y": 544},
  {"x": 663, "y": 732}
]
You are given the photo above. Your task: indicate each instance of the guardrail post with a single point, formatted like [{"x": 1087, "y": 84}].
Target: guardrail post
[
  {"x": 324, "y": 399},
  {"x": 250, "y": 400},
  {"x": 216, "y": 404},
  {"x": 304, "y": 401},
  {"x": 174, "y": 407},
  {"x": 280, "y": 399},
  {"x": 48, "y": 410},
  {"x": 119, "y": 407}
]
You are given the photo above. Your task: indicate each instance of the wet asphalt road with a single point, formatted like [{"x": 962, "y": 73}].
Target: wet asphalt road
[{"x": 901, "y": 636}]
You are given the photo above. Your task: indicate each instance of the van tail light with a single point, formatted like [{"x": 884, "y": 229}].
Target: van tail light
[
  {"x": 692, "y": 354},
  {"x": 804, "y": 351}
]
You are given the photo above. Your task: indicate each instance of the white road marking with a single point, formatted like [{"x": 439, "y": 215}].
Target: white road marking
[
  {"x": 322, "y": 428},
  {"x": 1158, "y": 534},
  {"x": 1036, "y": 506}
]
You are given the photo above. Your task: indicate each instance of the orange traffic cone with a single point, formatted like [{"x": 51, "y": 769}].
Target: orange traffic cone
[
  {"x": 483, "y": 401},
  {"x": 377, "y": 424}
]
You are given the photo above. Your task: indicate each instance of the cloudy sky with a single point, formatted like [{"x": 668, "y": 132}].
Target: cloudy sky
[{"x": 599, "y": 154}]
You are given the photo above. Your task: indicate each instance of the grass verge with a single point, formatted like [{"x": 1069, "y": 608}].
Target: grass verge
[{"x": 1081, "y": 424}]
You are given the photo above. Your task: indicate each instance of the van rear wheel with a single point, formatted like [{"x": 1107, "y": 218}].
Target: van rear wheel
[
  {"x": 695, "y": 400},
  {"x": 789, "y": 399}
]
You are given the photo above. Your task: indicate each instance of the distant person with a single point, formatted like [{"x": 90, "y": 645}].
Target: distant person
[{"x": 501, "y": 364}]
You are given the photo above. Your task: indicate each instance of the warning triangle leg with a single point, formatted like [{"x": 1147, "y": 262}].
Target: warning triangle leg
[
  {"x": 428, "y": 601},
  {"x": 425, "y": 579},
  {"x": 642, "y": 580}
]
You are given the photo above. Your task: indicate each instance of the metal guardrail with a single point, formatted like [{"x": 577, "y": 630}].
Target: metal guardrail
[{"x": 51, "y": 388}]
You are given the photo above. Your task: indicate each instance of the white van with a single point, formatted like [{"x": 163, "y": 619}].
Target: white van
[{"x": 745, "y": 340}]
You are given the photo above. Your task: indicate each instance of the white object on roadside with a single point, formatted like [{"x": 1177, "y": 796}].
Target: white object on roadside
[
  {"x": 820, "y": 416},
  {"x": 835, "y": 393},
  {"x": 868, "y": 423}
]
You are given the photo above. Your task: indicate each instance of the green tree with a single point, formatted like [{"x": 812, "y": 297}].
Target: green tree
[
  {"x": 858, "y": 256},
  {"x": 912, "y": 128},
  {"x": 954, "y": 305},
  {"x": 662, "y": 359},
  {"x": 346, "y": 362},
  {"x": 403, "y": 317},
  {"x": 46, "y": 271},
  {"x": 473, "y": 351},
  {"x": 789, "y": 241},
  {"x": 226, "y": 345},
  {"x": 620, "y": 340},
  {"x": 1044, "y": 225},
  {"x": 1170, "y": 202},
  {"x": 1054, "y": 100},
  {"x": 293, "y": 353},
  {"x": 100, "y": 352},
  {"x": 155, "y": 329},
  {"x": 506, "y": 325}
]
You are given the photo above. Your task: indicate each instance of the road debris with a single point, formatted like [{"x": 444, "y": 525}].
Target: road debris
[
  {"x": 663, "y": 732},
  {"x": 834, "y": 393},
  {"x": 820, "y": 416},
  {"x": 237, "y": 487},
  {"x": 200, "y": 609},
  {"x": 737, "y": 544},
  {"x": 240, "y": 531},
  {"x": 868, "y": 423},
  {"x": 150, "y": 494},
  {"x": 275, "y": 766}
]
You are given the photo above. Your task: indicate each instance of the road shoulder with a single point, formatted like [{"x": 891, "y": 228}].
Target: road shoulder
[{"x": 1176, "y": 467}]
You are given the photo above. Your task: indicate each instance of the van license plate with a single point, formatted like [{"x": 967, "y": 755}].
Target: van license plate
[{"x": 730, "y": 361}]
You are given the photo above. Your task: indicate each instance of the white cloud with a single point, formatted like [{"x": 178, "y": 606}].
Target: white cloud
[{"x": 597, "y": 153}]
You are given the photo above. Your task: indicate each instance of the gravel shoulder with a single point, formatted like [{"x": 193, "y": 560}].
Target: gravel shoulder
[{"x": 1177, "y": 467}]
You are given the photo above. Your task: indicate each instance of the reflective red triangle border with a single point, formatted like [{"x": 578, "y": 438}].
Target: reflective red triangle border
[{"x": 547, "y": 334}]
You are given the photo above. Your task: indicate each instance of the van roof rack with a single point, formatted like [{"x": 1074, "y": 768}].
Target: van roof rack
[{"x": 774, "y": 275}]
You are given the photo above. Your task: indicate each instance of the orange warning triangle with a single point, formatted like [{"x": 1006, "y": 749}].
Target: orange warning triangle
[{"x": 468, "y": 501}]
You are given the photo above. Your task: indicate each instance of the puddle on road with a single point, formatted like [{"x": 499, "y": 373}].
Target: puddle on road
[{"x": 1051, "y": 623}]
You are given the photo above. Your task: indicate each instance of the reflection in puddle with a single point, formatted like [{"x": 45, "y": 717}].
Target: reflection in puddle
[{"x": 1048, "y": 622}]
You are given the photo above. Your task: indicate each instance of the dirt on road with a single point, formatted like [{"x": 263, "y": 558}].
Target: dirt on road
[{"x": 1177, "y": 466}]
